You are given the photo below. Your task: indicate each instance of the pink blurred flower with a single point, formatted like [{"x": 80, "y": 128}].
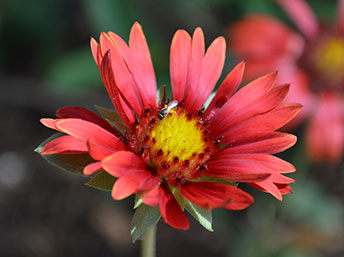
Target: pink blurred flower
[{"x": 313, "y": 61}]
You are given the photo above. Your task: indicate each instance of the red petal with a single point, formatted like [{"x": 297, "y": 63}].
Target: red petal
[
  {"x": 122, "y": 163},
  {"x": 50, "y": 123},
  {"x": 264, "y": 42},
  {"x": 64, "y": 144},
  {"x": 240, "y": 112},
  {"x": 179, "y": 63},
  {"x": 84, "y": 114},
  {"x": 171, "y": 211},
  {"x": 325, "y": 134},
  {"x": 259, "y": 125},
  {"x": 98, "y": 152},
  {"x": 284, "y": 189},
  {"x": 272, "y": 162},
  {"x": 152, "y": 198},
  {"x": 95, "y": 48},
  {"x": 302, "y": 15},
  {"x": 122, "y": 76},
  {"x": 209, "y": 195},
  {"x": 226, "y": 90},
  {"x": 137, "y": 182},
  {"x": 271, "y": 143},
  {"x": 340, "y": 16},
  {"x": 106, "y": 71},
  {"x": 141, "y": 66},
  {"x": 88, "y": 131},
  {"x": 195, "y": 68},
  {"x": 92, "y": 168},
  {"x": 211, "y": 70},
  {"x": 250, "y": 93}
]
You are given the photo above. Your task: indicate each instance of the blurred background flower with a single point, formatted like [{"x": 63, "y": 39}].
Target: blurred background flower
[
  {"x": 46, "y": 63},
  {"x": 313, "y": 61}
]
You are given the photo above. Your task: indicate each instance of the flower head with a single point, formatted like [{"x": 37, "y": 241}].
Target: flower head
[
  {"x": 174, "y": 152},
  {"x": 312, "y": 60}
]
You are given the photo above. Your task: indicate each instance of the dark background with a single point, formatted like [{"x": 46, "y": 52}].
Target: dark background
[{"x": 46, "y": 63}]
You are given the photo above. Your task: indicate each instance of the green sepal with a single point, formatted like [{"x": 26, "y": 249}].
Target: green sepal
[
  {"x": 204, "y": 217},
  {"x": 102, "y": 180},
  {"x": 138, "y": 201},
  {"x": 210, "y": 98},
  {"x": 145, "y": 216},
  {"x": 74, "y": 163},
  {"x": 220, "y": 181},
  {"x": 112, "y": 116},
  {"x": 161, "y": 92}
]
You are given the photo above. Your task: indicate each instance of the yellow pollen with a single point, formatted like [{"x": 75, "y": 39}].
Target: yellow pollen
[
  {"x": 178, "y": 137},
  {"x": 330, "y": 60}
]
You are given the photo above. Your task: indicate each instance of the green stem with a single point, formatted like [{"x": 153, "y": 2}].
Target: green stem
[{"x": 148, "y": 243}]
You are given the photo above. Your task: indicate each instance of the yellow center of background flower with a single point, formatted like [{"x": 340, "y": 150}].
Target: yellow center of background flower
[
  {"x": 178, "y": 137},
  {"x": 330, "y": 59}
]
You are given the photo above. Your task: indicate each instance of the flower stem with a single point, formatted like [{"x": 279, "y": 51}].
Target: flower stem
[{"x": 148, "y": 243}]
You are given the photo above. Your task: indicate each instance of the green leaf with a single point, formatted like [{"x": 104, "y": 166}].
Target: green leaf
[
  {"x": 144, "y": 217},
  {"x": 112, "y": 116},
  {"x": 204, "y": 217},
  {"x": 74, "y": 163},
  {"x": 103, "y": 181}
]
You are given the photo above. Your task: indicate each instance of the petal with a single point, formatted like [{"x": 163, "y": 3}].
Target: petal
[
  {"x": 226, "y": 90},
  {"x": 96, "y": 52},
  {"x": 179, "y": 63},
  {"x": 64, "y": 144},
  {"x": 259, "y": 125},
  {"x": 209, "y": 195},
  {"x": 195, "y": 68},
  {"x": 98, "y": 152},
  {"x": 211, "y": 70},
  {"x": 325, "y": 133},
  {"x": 247, "y": 109},
  {"x": 141, "y": 66},
  {"x": 152, "y": 198},
  {"x": 272, "y": 162},
  {"x": 340, "y": 16},
  {"x": 92, "y": 168},
  {"x": 124, "y": 80},
  {"x": 171, "y": 211},
  {"x": 137, "y": 182},
  {"x": 84, "y": 114},
  {"x": 264, "y": 42},
  {"x": 249, "y": 93},
  {"x": 50, "y": 123},
  {"x": 88, "y": 131},
  {"x": 122, "y": 163},
  {"x": 270, "y": 143},
  {"x": 302, "y": 15},
  {"x": 107, "y": 75},
  {"x": 224, "y": 168}
]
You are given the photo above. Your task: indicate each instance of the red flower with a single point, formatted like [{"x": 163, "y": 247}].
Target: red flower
[
  {"x": 313, "y": 62},
  {"x": 179, "y": 150}
]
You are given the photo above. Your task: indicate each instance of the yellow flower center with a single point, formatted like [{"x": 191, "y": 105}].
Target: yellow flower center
[
  {"x": 330, "y": 59},
  {"x": 178, "y": 137}
]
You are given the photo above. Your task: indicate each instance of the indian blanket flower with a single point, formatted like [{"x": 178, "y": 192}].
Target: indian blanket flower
[
  {"x": 312, "y": 60},
  {"x": 170, "y": 152}
]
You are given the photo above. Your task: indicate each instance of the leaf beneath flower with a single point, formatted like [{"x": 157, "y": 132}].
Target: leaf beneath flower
[
  {"x": 103, "y": 181},
  {"x": 204, "y": 217},
  {"x": 74, "y": 163},
  {"x": 112, "y": 116},
  {"x": 145, "y": 216}
]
